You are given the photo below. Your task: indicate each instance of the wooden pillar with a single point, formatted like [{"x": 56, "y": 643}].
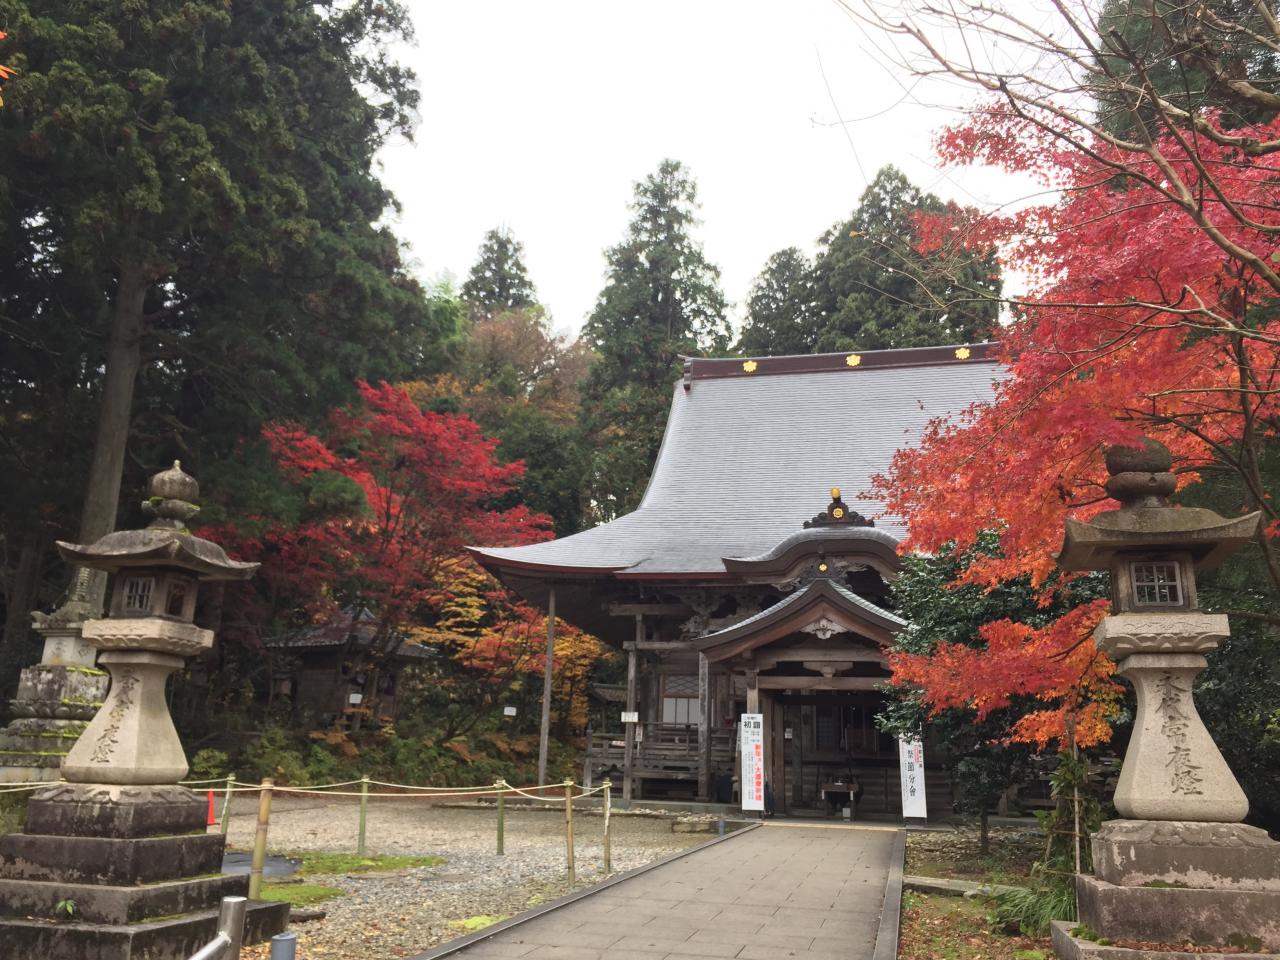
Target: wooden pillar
[
  {"x": 629, "y": 728},
  {"x": 545, "y": 734},
  {"x": 753, "y": 691},
  {"x": 775, "y": 747},
  {"x": 704, "y": 728}
]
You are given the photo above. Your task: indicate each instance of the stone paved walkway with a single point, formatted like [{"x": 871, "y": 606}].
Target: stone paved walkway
[{"x": 805, "y": 892}]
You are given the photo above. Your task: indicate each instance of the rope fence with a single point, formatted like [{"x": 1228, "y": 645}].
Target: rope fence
[{"x": 565, "y": 794}]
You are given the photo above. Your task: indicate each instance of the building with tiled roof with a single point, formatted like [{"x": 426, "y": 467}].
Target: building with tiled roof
[{"x": 729, "y": 594}]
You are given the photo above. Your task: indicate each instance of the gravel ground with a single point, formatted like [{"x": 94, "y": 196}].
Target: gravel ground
[{"x": 401, "y": 914}]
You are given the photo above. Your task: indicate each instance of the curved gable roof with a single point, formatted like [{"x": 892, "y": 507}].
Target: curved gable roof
[{"x": 751, "y": 449}]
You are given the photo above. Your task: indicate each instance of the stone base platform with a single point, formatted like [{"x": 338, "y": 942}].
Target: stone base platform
[
  {"x": 1068, "y": 947},
  {"x": 136, "y": 862},
  {"x": 1232, "y": 856},
  {"x": 1169, "y": 914},
  {"x": 169, "y": 939}
]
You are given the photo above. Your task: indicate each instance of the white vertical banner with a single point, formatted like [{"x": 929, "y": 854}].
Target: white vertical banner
[
  {"x": 751, "y": 735},
  {"x": 911, "y": 773}
]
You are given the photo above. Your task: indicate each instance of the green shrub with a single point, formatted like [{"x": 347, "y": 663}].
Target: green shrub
[
  {"x": 1030, "y": 909},
  {"x": 274, "y": 754},
  {"x": 210, "y": 765}
]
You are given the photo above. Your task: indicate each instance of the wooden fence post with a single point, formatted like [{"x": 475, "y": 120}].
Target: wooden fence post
[
  {"x": 226, "y": 804},
  {"x": 608, "y": 846},
  {"x": 260, "y": 838},
  {"x": 500, "y": 786},
  {"x": 568, "y": 830},
  {"x": 364, "y": 814}
]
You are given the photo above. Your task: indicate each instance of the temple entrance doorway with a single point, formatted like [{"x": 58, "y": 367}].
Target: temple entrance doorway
[{"x": 827, "y": 755}]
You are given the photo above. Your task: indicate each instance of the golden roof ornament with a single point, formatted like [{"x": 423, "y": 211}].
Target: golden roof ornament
[{"x": 838, "y": 514}]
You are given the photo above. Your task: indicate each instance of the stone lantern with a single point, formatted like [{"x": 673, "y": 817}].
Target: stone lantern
[
  {"x": 1181, "y": 865},
  {"x": 147, "y": 634},
  {"x": 121, "y": 839}
]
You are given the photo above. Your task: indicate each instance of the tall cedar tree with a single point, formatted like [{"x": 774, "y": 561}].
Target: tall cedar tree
[
  {"x": 875, "y": 287},
  {"x": 188, "y": 233},
  {"x": 498, "y": 279},
  {"x": 519, "y": 381},
  {"x": 782, "y": 312},
  {"x": 661, "y": 299}
]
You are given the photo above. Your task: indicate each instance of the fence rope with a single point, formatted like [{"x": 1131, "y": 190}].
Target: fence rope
[
  {"x": 411, "y": 786},
  {"x": 436, "y": 793}
]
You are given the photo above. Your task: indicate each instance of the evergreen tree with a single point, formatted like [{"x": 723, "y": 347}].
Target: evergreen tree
[
  {"x": 781, "y": 309},
  {"x": 876, "y": 286},
  {"x": 188, "y": 228},
  {"x": 1147, "y": 47},
  {"x": 661, "y": 299},
  {"x": 498, "y": 280}
]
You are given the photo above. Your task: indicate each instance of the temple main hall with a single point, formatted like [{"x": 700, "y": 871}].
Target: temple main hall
[{"x": 754, "y": 578}]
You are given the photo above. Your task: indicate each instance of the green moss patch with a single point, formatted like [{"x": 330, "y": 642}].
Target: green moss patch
[
  {"x": 472, "y": 924},
  {"x": 299, "y": 894},
  {"x": 331, "y": 863}
]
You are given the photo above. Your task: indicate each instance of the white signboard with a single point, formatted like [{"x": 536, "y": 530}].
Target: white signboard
[
  {"x": 508, "y": 711},
  {"x": 630, "y": 716},
  {"x": 751, "y": 733},
  {"x": 911, "y": 772}
]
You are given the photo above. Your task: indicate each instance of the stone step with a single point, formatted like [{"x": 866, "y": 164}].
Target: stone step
[
  {"x": 175, "y": 938},
  {"x": 1178, "y": 914},
  {"x": 1068, "y": 947},
  {"x": 109, "y": 860},
  {"x": 96, "y": 903}
]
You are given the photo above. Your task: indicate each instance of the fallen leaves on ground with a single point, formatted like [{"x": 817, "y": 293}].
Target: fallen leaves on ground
[{"x": 954, "y": 928}]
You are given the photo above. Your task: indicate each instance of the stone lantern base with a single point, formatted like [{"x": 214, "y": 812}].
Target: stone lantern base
[
  {"x": 144, "y": 877},
  {"x": 1175, "y": 881}
]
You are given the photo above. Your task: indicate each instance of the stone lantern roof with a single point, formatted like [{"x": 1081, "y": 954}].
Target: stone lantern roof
[
  {"x": 166, "y": 541},
  {"x": 1141, "y": 480}
]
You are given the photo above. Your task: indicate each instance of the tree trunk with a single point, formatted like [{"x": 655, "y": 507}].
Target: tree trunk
[
  {"x": 17, "y": 649},
  {"x": 124, "y": 358},
  {"x": 984, "y": 833}
]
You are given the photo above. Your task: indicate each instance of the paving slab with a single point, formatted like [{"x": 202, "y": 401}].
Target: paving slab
[{"x": 782, "y": 891}]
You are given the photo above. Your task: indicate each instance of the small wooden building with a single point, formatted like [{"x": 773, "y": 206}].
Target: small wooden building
[{"x": 729, "y": 595}]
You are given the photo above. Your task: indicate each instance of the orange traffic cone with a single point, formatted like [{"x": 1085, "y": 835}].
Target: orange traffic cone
[{"x": 213, "y": 819}]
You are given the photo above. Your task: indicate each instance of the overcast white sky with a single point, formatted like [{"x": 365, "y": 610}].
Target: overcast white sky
[{"x": 541, "y": 114}]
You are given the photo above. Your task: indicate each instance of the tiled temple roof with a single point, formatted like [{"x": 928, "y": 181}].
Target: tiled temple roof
[{"x": 751, "y": 449}]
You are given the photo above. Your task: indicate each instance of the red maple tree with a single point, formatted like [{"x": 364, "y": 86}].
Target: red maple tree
[
  {"x": 1147, "y": 315},
  {"x": 393, "y": 494}
]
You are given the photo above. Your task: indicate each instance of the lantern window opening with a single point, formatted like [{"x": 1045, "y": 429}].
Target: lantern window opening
[
  {"x": 137, "y": 594},
  {"x": 1156, "y": 584},
  {"x": 176, "y": 601}
]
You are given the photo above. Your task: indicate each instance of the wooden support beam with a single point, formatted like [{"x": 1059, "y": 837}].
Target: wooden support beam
[
  {"x": 753, "y": 691},
  {"x": 822, "y": 683},
  {"x": 649, "y": 610},
  {"x": 545, "y": 731},
  {"x": 704, "y": 728},
  {"x": 629, "y": 729},
  {"x": 657, "y": 646},
  {"x": 767, "y": 659}
]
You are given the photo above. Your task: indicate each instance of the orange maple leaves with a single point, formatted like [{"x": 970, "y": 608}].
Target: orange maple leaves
[
  {"x": 1144, "y": 317},
  {"x": 1057, "y": 664}
]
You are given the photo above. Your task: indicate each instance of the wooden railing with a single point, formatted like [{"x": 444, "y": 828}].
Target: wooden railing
[{"x": 663, "y": 750}]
